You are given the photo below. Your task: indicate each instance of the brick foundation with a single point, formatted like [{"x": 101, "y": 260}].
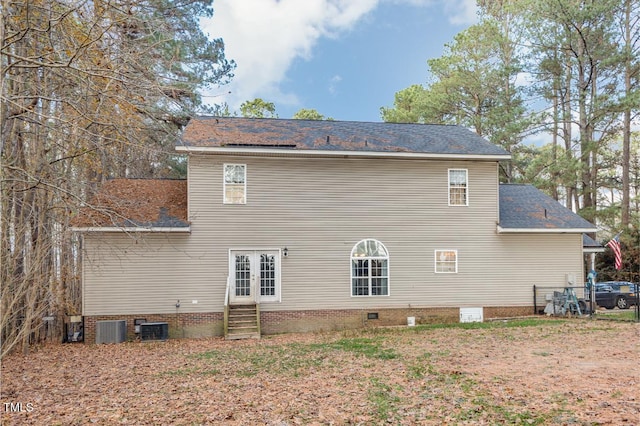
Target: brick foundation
[
  {"x": 180, "y": 325},
  {"x": 507, "y": 312},
  {"x": 325, "y": 320},
  {"x": 190, "y": 325}
]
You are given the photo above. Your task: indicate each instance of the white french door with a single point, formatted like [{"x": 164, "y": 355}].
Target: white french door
[{"x": 254, "y": 275}]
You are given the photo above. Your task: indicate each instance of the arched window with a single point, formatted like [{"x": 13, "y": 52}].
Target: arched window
[{"x": 369, "y": 269}]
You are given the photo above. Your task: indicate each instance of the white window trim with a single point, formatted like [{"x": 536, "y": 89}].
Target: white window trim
[
  {"x": 435, "y": 261},
  {"x": 224, "y": 184},
  {"x": 351, "y": 257},
  {"x": 466, "y": 198}
]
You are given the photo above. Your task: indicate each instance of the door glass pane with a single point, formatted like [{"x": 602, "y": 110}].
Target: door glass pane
[
  {"x": 267, "y": 275},
  {"x": 243, "y": 275}
]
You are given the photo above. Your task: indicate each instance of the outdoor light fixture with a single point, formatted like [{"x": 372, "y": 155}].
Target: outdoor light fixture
[{"x": 285, "y": 252}]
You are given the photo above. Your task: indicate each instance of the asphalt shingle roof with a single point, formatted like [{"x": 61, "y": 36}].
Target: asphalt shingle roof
[
  {"x": 137, "y": 203},
  {"x": 335, "y": 136},
  {"x": 526, "y": 207},
  {"x": 590, "y": 243}
]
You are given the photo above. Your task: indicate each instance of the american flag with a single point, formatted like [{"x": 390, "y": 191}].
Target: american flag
[{"x": 614, "y": 245}]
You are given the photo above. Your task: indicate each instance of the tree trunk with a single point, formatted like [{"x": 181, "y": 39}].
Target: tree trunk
[{"x": 626, "y": 125}]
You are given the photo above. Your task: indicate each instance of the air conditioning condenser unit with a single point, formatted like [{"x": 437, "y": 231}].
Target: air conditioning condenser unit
[
  {"x": 154, "y": 331},
  {"x": 112, "y": 331}
]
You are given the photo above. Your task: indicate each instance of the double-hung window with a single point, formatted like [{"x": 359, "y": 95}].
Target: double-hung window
[
  {"x": 446, "y": 261},
  {"x": 458, "y": 187},
  {"x": 235, "y": 184},
  {"x": 369, "y": 269}
]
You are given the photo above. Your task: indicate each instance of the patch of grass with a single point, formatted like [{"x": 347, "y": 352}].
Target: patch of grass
[
  {"x": 421, "y": 367},
  {"x": 493, "y": 324},
  {"x": 293, "y": 359},
  {"x": 417, "y": 371},
  {"x": 385, "y": 402},
  {"x": 559, "y": 398},
  {"x": 453, "y": 377},
  {"x": 502, "y": 414},
  {"x": 617, "y": 315},
  {"x": 524, "y": 322},
  {"x": 371, "y": 348},
  {"x": 444, "y": 353},
  {"x": 181, "y": 372}
]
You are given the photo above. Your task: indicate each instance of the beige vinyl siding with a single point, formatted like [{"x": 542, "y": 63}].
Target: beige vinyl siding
[
  {"x": 319, "y": 208},
  {"x": 141, "y": 273}
]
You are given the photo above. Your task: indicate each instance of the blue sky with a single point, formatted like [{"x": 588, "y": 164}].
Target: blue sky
[{"x": 344, "y": 58}]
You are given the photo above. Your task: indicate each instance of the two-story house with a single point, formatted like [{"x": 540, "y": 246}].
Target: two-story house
[{"x": 323, "y": 225}]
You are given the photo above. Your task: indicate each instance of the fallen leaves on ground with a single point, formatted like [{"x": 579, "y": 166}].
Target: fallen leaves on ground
[{"x": 562, "y": 372}]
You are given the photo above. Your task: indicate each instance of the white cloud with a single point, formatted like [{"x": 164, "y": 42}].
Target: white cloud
[
  {"x": 461, "y": 12},
  {"x": 264, "y": 37},
  {"x": 524, "y": 79},
  {"x": 333, "y": 84}
]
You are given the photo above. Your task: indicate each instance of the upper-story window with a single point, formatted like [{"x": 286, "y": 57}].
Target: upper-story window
[
  {"x": 446, "y": 261},
  {"x": 235, "y": 183},
  {"x": 458, "y": 187},
  {"x": 369, "y": 269}
]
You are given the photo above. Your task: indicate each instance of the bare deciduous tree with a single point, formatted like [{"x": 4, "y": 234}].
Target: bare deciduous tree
[{"x": 88, "y": 91}]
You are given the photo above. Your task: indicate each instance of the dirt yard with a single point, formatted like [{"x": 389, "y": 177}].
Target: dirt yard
[{"x": 568, "y": 372}]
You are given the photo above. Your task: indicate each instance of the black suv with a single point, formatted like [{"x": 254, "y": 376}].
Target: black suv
[{"x": 610, "y": 294}]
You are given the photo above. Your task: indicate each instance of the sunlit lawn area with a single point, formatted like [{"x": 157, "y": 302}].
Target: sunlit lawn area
[{"x": 536, "y": 371}]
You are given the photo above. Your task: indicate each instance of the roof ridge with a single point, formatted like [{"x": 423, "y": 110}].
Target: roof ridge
[
  {"x": 321, "y": 121},
  {"x": 313, "y": 137}
]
